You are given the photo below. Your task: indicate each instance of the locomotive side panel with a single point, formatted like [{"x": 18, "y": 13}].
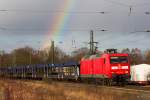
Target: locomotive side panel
[
  {"x": 98, "y": 65},
  {"x": 86, "y": 68}
]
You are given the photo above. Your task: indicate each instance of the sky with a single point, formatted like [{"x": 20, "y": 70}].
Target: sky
[{"x": 68, "y": 22}]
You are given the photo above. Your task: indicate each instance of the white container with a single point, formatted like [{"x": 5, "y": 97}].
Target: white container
[{"x": 140, "y": 73}]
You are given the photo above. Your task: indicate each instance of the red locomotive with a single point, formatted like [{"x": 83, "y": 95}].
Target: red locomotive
[{"x": 107, "y": 67}]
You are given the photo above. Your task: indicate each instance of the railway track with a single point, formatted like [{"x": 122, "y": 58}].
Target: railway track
[
  {"x": 127, "y": 88},
  {"x": 132, "y": 89}
]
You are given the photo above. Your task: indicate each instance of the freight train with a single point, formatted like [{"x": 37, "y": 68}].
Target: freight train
[{"x": 103, "y": 68}]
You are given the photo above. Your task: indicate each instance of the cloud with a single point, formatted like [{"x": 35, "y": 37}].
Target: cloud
[{"x": 29, "y": 21}]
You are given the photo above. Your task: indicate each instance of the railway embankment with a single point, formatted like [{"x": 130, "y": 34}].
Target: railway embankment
[{"x": 40, "y": 90}]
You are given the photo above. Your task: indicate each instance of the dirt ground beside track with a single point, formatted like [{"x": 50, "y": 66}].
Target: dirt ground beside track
[{"x": 40, "y": 90}]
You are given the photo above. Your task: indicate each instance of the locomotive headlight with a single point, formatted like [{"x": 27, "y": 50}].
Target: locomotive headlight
[
  {"x": 124, "y": 67},
  {"x": 114, "y": 67},
  {"x": 126, "y": 72}
]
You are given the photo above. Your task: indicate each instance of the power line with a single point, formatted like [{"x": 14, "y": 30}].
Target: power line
[
  {"x": 127, "y": 5},
  {"x": 53, "y": 11},
  {"x": 33, "y": 29},
  {"x": 70, "y": 12},
  {"x": 144, "y": 31},
  {"x": 130, "y": 6},
  {"x": 117, "y": 3}
]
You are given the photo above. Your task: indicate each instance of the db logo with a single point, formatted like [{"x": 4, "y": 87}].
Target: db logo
[{"x": 119, "y": 66}]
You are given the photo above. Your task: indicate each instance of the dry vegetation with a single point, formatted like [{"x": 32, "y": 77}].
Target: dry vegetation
[{"x": 39, "y": 90}]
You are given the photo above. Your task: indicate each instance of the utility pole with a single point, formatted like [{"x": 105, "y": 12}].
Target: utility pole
[
  {"x": 53, "y": 52},
  {"x": 93, "y": 45},
  {"x": 91, "y": 42},
  {"x": 52, "y": 57}
]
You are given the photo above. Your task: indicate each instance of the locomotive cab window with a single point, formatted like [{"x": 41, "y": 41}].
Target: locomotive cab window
[{"x": 122, "y": 59}]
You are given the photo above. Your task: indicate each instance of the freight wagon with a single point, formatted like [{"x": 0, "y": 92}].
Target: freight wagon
[{"x": 140, "y": 74}]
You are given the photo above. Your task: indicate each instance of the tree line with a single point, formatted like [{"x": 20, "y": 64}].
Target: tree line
[{"x": 28, "y": 55}]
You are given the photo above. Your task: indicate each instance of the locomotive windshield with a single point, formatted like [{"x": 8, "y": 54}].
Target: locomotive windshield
[{"x": 122, "y": 59}]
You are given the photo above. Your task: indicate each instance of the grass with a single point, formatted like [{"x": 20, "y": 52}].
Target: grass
[{"x": 41, "y": 90}]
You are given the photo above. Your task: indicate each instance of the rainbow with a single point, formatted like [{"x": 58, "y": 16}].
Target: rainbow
[{"x": 59, "y": 22}]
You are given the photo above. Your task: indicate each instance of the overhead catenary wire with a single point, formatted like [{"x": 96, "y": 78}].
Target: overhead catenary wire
[
  {"x": 37, "y": 29},
  {"x": 130, "y": 6},
  {"x": 127, "y": 5},
  {"x": 117, "y": 3},
  {"x": 66, "y": 12},
  {"x": 122, "y": 4},
  {"x": 52, "y": 11}
]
